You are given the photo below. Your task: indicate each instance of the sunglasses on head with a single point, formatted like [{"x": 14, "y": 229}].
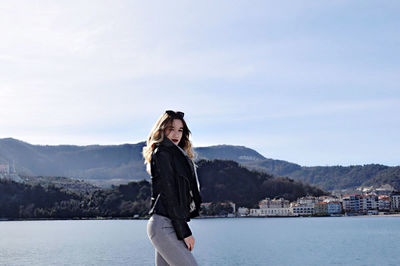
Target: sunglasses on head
[{"x": 173, "y": 113}]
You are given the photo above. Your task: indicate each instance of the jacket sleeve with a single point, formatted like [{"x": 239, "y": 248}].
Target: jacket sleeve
[{"x": 169, "y": 193}]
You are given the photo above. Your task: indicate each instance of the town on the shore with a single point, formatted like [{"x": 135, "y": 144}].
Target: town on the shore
[{"x": 368, "y": 201}]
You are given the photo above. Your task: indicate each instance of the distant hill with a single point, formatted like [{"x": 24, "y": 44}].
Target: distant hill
[{"x": 104, "y": 165}]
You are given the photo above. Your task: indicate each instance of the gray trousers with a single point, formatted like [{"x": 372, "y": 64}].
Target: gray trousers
[{"x": 169, "y": 250}]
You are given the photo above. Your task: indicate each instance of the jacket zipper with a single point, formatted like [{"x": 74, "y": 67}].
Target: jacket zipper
[
  {"x": 155, "y": 202},
  {"x": 157, "y": 198}
]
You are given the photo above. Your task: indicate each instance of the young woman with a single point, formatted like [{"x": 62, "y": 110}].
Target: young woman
[{"x": 175, "y": 190}]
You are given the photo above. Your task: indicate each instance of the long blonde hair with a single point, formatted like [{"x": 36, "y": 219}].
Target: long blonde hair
[{"x": 157, "y": 135}]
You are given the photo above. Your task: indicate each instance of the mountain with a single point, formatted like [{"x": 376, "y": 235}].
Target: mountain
[
  {"x": 116, "y": 164},
  {"x": 102, "y": 164},
  {"x": 111, "y": 164}
]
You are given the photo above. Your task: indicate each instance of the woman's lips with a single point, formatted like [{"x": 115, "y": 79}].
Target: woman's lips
[{"x": 175, "y": 140}]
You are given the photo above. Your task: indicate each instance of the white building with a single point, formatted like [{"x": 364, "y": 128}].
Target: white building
[
  {"x": 272, "y": 207},
  {"x": 255, "y": 212},
  {"x": 368, "y": 202},
  {"x": 276, "y": 212},
  {"x": 304, "y": 205},
  {"x": 302, "y": 209}
]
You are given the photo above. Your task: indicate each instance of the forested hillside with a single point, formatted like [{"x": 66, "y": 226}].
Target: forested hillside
[
  {"x": 220, "y": 181},
  {"x": 226, "y": 180}
]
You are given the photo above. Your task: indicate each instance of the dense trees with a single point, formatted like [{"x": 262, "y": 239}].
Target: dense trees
[
  {"x": 220, "y": 181},
  {"x": 25, "y": 201},
  {"x": 226, "y": 180}
]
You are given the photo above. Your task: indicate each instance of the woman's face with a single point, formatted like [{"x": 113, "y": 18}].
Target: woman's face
[{"x": 175, "y": 131}]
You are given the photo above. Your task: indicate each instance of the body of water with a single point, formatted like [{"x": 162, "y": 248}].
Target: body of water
[{"x": 236, "y": 241}]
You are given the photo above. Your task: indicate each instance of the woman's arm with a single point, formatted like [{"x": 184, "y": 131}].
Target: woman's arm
[{"x": 169, "y": 193}]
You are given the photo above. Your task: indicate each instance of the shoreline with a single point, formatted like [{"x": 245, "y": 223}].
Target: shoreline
[
  {"x": 382, "y": 215},
  {"x": 205, "y": 217}
]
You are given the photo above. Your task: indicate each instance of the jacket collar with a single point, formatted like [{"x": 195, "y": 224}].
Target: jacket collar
[{"x": 167, "y": 142}]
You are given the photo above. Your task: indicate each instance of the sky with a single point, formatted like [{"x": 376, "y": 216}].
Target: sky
[{"x": 309, "y": 82}]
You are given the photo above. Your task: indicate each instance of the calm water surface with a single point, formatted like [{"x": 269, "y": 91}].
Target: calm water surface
[{"x": 240, "y": 241}]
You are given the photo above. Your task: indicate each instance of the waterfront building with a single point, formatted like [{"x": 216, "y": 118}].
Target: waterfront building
[
  {"x": 334, "y": 207},
  {"x": 360, "y": 203},
  {"x": 321, "y": 208},
  {"x": 276, "y": 212},
  {"x": 395, "y": 201},
  {"x": 272, "y": 207},
  {"x": 274, "y": 203},
  {"x": 333, "y": 204},
  {"x": 255, "y": 212},
  {"x": 383, "y": 203},
  {"x": 368, "y": 202},
  {"x": 304, "y": 205},
  {"x": 351, "y": 203},
  {"x": 302, "y": 209}
]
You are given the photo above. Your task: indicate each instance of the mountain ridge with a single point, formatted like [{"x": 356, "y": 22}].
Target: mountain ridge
[{"x": 115, "y": 164}]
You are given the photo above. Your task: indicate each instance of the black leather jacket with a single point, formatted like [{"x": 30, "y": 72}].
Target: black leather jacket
[{"x": 174, "y": 186}]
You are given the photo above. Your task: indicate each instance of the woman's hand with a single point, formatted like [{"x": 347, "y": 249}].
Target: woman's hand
[{"x": 189, "y": 241}]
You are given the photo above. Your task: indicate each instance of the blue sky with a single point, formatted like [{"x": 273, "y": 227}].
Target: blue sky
[{"x": 310, "y": 82}]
